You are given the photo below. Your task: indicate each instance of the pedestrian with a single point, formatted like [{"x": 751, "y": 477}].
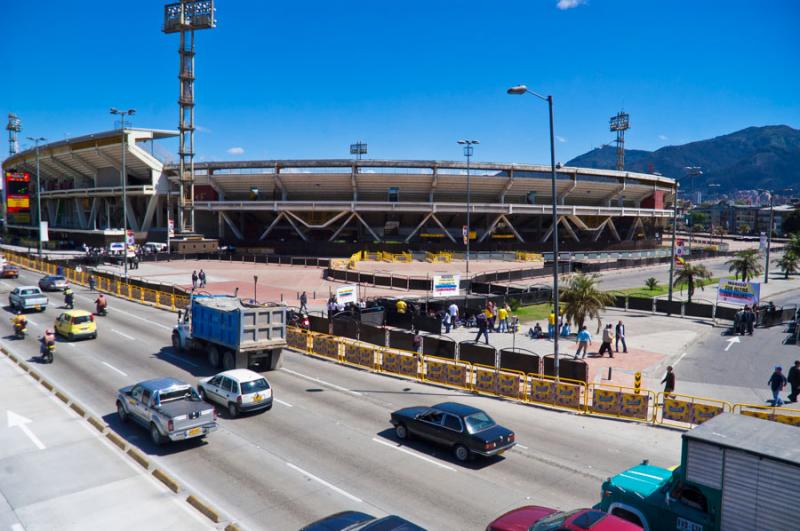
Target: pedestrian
[
  {"x": 777, "y": 382},
  {"x": 60, "y": 270},
  {"x": 303, "y": 302},
  {"x": 608, "y": 338},
  {"x": 584, "y": 339},
  {"x": 401, "y": 307},
  {"x": 92, "y": 282},
  {"x": 565, "y": 328},
  {"x": 750, "y": 319},
  {"x": 202, "y": 277},
  {"x": 502, "y": 318},
  {"x": 794, "y": 381},
  {"x": 738, "y": 322},
  {"x": 668, "y": 381},
  {"x": 417, "y": 342},
  {"x": 551, "y": 324},
  {"x": 194, "y": 279},
  {"x": 491, "y": 314},
  {"x": 331, "y": 307},
  {"x": 136, "y": 261},
  {"x": 453, "y": 311},
  {"x": 620, "y": 336},
  {"x": 483, "y": 326},
  {"x": 447, "y": 321}
]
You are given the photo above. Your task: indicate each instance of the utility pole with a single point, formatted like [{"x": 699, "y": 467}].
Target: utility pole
[
  {"x": 124, "y": 178},
  {"x": 36, "y": 141},
  {"x": 468, "y": 153}
]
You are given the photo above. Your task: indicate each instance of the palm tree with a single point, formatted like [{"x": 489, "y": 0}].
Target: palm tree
[
  {"x": 794, "y": 244},
  {"x": 689, "y": 274},
  {"x": 581, "y": 300},
  {"x": 789, "y": 262},
  {"x": 746, "y": 264},
  {"x": 651, "y": 283}
]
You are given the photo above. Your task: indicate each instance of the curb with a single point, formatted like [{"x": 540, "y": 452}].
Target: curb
[
  {"x": 166, "y": 480},
  {"x": 201, "y": 506},
  {"x": 137, "y": 456}
]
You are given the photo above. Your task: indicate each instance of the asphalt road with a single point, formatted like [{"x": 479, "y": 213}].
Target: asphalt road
[{"x": 327, "y": 445}]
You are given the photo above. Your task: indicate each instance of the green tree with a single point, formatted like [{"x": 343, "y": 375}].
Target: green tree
[
  {"x": 789, "y": 263},
  {"x": 794, "y": 244},
  {"x": 745, "y": 264},
  {"x": 791, "y": 222},
  {"x": 699, "y": 219},
  {"x": 651, "y": 283},
  {"x": 581, "y": 300},
  {"x": 691, "y": 275}
]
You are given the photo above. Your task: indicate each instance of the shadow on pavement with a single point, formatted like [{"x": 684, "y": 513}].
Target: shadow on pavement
[
  {"x": 138, "y": 436},
  {"x": 193, "y": 363},
  {"x": 439, "y": 453}
]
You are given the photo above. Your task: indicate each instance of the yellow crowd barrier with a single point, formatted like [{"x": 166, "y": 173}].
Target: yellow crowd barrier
[
  {"x": 621, "y": 402},
  {"x": 405, "y": 257},
  {"x": 446, "y": 371},
  {"x": 687, "y": 409},
  {"x": 399, "y": 362},
  {"x": 359, "y": 354},
  {"x": 442, "y": 257},
  {"x": 784, "y": 415},
  {"x": 564, "y": 392},
  {"x": 522, "y": 256}
]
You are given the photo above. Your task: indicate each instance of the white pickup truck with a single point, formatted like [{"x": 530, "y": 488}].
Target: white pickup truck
[{"x": 28, "y": 298}]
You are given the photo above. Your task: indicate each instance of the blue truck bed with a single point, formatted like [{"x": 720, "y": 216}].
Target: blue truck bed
[{"x": 224, "y": 320}]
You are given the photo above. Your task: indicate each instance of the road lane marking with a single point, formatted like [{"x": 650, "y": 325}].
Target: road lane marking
[
  {"x": 323, "y": 482},
  {"x": 177, "y": 358},
  {"x": 117, "y": 310},
  {"x": 18, "y": 421},
  {"x": 123, "y": 335},
  {"x": 31, "y": 321},
  {"x": 71, "y": 344},
  {"x": 287, "y": 404},
  {"x": 323, "y": 382},
  {"x": 414, "y": 454},
  {"x": 113, "y": 368},
  {"x": 17, "y": 527},
  {"x": 679, "y": 360},
  {"x": 731, "y": 341},
  {"x": 521, "y": 446}
]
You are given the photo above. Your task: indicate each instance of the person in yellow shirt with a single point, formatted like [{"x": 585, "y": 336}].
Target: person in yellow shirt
[
  {"x": 401, "y": 306},
  {"x": 502, "y": 316},
  {"x": 551, "y": 324}
]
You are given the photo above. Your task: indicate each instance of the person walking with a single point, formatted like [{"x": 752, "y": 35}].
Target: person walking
[
  {"x": 92, "y": 282},
  {"x": 551, "y": 324},
  {"x": 447, "y": 321},
  {"x": 303, "y": 302},
  {"x": 608, "y": 338},
  {"x": 794, "y": 381},
  {"x": 749, "y": 319},
  {"x": 194, "y": 279},
  {"x": 620, "y": 336},
  {"x": 668, "y": 381},
  {"x": 502, "y": 319},
  {"x": 584, "y": 339},
  {"x": 776, "y": 383},
  {"x": 483, "y": 327},
  {"x": 453, "y": 311}
]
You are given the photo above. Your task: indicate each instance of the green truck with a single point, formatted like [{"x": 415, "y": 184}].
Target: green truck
[{"x": 736, "y": 473}]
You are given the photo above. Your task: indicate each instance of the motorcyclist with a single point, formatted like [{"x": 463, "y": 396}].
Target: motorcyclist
[
  {"x": 69, "y": 297},
  {"x": 49, "y": 338},
  {"x": 19, "y": 321},
  {"x": 101, "y": 303}
]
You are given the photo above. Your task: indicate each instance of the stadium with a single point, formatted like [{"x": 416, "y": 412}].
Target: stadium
[{"x": 328, "y": 207}]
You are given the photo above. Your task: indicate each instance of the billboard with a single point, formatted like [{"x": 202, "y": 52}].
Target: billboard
[
  {"x": 18, "y": 197},
  {"x": 446, "y": 285},
  {"x": 738, "y": 292},
  {"x": 347, "y": 295}
]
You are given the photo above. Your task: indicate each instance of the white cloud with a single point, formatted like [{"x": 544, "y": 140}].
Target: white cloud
[
  {"x": 663, "y": 137},
  {"x": 236, "y": 151},
  {"x": 201, "y": 129},
  {"x": 561, "y": 139},
  {"x": 569, "y": 4}
]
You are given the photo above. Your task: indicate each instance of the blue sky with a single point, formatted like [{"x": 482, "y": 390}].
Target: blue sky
[{"x": 305, "y": 79}]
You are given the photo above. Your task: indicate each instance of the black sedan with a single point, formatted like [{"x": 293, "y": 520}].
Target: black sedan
[
  {"x": 464, "y": 429},
  {"x": 357, "y": 521}
]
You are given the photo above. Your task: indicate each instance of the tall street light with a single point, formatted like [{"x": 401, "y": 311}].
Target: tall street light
[
  {"x": 468, "y": 153},
  {"x": 124, "y": 178},
  {"x": 36, "y": 141},
  {"x": 674, "y": 231},
  {"x": 519, "y": 90}
]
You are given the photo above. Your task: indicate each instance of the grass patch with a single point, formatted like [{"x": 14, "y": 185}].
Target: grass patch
[
  {"x": 643, "y": 292},
  {"x": 534, "y": 312}
]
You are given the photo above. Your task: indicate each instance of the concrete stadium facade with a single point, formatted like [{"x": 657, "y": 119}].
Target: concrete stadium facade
[{"x": 335, "y": 205}]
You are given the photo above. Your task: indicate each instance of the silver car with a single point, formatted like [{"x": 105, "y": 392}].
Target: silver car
[
  {"x": 239, "y": 390},
  {"x": 53, "y": 283}
]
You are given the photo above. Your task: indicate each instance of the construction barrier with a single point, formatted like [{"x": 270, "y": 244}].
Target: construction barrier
[
  {"x": 687, "y": 409},
  {"x": 359, "y": 354},
  {"x": 442, "y": 257},
  {"x": 621, "y": 402},
  {"x": 298, "y": 338},
  {"x": 484, "y": 379},
  {"x": 511, "y": 384},
  {"x": 564, "y": 392},
  {"x": 447, "y": 372},
  {"x": 777, "y": 414},
  {"x": 405, "y": 257},
  {"x": 325, "y": 345},
  {"x": 399, "y": 362}
]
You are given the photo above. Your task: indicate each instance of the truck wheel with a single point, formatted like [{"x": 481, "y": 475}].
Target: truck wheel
[
  {"x": 176, "y": 343},
  {"x": 228, "y": 360},
  {"x": 123, "y": 415},
  {"x": 155, "y": 435},
  {"x": 213, "y": 356}
]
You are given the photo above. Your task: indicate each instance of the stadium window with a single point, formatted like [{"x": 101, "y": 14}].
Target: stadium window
[{"x": 394, "y": 194}]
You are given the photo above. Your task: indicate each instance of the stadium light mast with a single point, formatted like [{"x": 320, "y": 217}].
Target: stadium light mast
[
  {"x": 36, "y": 141},
  {"x": 358, "y": 149},
  {"x": 185, "y": 17},
  {"x": 13, "y": 127},
  {"x": 123, "y": 173},
  {"x": 518, "y": 91},
  {"x": 620, "y": 123},
  {"x": 468, "y": 153}
]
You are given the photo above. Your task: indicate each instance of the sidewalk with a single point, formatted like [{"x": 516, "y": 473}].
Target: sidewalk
[{"x": 57, "y": 473}]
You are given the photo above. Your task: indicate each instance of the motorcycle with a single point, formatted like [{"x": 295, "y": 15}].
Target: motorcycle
[
  {"x": 47, "y": 350},
  {"x": 69, "y": 300},
  {"x": 20, "y": 330},
  {"x": 102, "y": 311}
]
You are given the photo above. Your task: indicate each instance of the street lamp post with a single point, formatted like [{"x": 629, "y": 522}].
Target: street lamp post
[
  {"x": 519, "y": 90},
  {"x": 124, "y": 178},
  {"x": 769, "y": 236},
  {"x": 36, "y": 141},
  {"x": 468, "y": 153}
]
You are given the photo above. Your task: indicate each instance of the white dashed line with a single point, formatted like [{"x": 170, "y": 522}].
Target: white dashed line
[
  {"x": 679, "y": 360},
  {"x": 71, "y": 345},
  {"x": 521, "y": 446},
  {"x": 323, "y": 482},
  {"x": 113, "y": 368},
  {"x": 409, "y": 452},
  {"x": 123, "y": 335},
  {"x": 323, "y": 382},
  {"x": 287, "y": 404},
  {"x": 31, "y": 321}
]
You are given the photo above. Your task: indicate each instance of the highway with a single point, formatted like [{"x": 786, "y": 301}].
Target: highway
[{"x": 327, "y": 445}]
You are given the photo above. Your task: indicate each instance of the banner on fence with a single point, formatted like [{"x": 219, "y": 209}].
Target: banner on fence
[
  {"x": 446, "y": 285},
  {"x": 605, "y": 401},
  {"x": 485, "y": 380},
  {"x": 677, "y": 410},
  {"x": 738, "y": 292},
  {"x": 703, "y": 412},
  {"x": 347, "y": 295},
  {"x": 634, "y": 405}
]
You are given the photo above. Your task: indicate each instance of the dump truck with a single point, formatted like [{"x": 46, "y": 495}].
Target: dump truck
[
  {"x": 232, "y": 334},
  {"x": 737, "y": 473}
]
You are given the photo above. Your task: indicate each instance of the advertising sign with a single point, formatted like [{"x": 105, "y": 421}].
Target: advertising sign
[
  {"x": 43, "y": 234},
  {"x": 131, "y": 240},
  {"x": 738, "y": 292},
  {"x": 18, "y": 197},
  {"x": 347, "y": 294},
  {"x": 171, "y": 227},
  {"x": 446, "y": 285}
]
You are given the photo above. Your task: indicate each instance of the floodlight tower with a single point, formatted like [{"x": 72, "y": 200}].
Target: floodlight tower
[
  {"x": 13, "y": 127},
  {"x": 619, "y": 124},
  {"x": 358, "y": 149},
  {"x": 185, "y": 17}
]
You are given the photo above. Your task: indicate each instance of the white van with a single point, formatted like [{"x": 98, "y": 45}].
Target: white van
[{"x": 155, "y": 247}]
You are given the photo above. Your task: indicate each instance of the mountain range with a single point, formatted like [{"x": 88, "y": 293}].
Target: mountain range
[{"x": 765, "y": 157}]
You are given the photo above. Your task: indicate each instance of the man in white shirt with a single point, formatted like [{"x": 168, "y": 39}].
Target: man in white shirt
[{"x": 453, "y": 311}]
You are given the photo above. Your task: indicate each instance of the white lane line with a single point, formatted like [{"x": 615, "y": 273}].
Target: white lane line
[
  {"x": 409, "y": 452},
  {"x": 113, "y": 368},
  {"x": 123, "y": 335},
  {"x": 323, "y": 482},
  {"x": 679, "y": 359},
  {"x": 31, "y": 321},
  {"x": 521, "y": 446},
  {"x": 71, "y": 344},
  {"x": 183, "y": 360},
  {"x": 118, "y": 310},
  {"x": 17, "y": 527},
  {"x": 287, "y": 404},
  {"x": 323, "y": 382}
]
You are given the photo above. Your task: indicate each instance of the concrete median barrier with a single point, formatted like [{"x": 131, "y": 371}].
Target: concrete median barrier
[
  {"x": 204, "y": 508},
  {"x": 137, "y": 456},
  {"x": 78, "y": 409},
  {"x": 35, "y": 375},
  {"x": 167, "y": 480},
  {"x": 61, "y": 396},
  {"x": 232, "y": 527},
  {"x": 47, "y": 385},
  {"x": 98, "y": 424},
  {"x": 116, "y": 439}
]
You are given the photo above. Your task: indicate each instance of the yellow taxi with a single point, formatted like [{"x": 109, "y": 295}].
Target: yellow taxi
[{"x": 76, "y": 324}]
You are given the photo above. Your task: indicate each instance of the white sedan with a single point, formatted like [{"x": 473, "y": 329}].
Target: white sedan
[{"x": 239, "y": 390}]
